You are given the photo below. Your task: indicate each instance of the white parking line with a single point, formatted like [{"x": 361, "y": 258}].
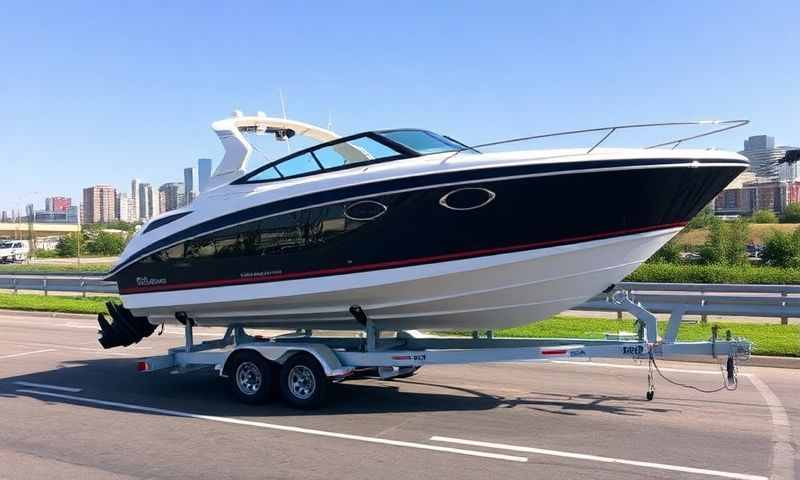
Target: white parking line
[
  {"x": 782, "y": 450},
  {"x": 595, "y": 458},
  {"x": 15, "y": 355},
  {"x": 285, "y": 428},
  {"x": 51, "y": 387}
]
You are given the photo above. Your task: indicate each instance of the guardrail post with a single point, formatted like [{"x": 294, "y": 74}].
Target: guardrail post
[
  {"x": 83, "y": 287},
  {"x": 784, "y": 320},
  {"x": 14, "y": 284},
  {"x": 703, "y": 317},
  {"x": 44, "y": 284}
]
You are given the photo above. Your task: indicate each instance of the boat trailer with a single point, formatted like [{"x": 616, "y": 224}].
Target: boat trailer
[{"x": 301, "y": 365}]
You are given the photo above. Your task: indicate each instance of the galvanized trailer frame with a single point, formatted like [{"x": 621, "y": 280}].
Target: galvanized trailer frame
[{"x": 406, "y": 351}]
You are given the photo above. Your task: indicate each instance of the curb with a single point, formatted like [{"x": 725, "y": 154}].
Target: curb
[
  {"x": 755, "y": 361},
  {"x": 40, "y": 314}
]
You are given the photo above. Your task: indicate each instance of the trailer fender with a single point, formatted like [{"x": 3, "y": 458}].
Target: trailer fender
[{"x": 279, "y": 354}]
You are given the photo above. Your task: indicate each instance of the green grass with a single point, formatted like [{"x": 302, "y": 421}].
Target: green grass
[
  {"x": 768, "y": 339},
  {"x": 54, "y": 303},
  {"x": 43, "y": 268},
  {"x": 682, "y": 273}
]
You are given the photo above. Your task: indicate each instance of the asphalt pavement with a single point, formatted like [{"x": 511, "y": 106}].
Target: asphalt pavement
[{"x": 72, "y": 410}]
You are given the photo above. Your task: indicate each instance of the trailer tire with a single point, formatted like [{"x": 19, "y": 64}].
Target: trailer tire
[
  {"x": 303, "y": 382},
  {"x": 251, "y": 377},
  {"x": 409, "y": 374}
]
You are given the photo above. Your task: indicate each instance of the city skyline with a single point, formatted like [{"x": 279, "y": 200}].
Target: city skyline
[{"x": 132, "y": 93}]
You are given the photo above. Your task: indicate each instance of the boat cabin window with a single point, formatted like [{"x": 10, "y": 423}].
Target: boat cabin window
[{"x": 355, "y": 150}]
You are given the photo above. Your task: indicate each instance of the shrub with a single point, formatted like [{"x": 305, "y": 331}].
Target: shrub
[
  {"x": 669, "y": 253},
  {"x": 683, "y": 273},
  {"x": 727, "y": 243},
  {"x": 782, "y": 249},
  {"x": 791, "y": 214},
  {"x": 67, "y": 245},
  {"x": 764, "y": 216}
]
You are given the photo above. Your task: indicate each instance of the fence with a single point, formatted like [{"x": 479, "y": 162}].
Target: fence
[{"x": 776, "y": 301}]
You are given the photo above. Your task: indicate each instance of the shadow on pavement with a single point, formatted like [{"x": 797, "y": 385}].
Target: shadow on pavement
[{"x": 203, "y": 392}]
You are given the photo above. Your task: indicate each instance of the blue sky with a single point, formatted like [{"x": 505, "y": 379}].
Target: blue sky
[{"x": 101, "y": 92}]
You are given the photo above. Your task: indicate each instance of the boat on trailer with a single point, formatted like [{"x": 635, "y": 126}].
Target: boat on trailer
[
  {"x": 418, "y": 229},
  {"x": 405, "y": 229}
]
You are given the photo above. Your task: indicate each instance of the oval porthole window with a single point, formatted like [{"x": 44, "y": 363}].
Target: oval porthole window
[
  {"x": 467, "y": 198},
  {"x": 365, "y": 210}
]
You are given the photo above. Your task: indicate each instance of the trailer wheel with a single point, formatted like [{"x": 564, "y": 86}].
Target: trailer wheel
[
  {"x": 303, "y": 382},
  {"x": 250, "y": 377}
]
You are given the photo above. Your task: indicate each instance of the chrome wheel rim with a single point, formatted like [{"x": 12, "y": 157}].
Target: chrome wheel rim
[
  {"x": 248, "y": 378},
  {"x": 301, "y": 382}
]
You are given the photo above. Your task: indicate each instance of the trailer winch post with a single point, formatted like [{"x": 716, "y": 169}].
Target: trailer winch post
[{"x": 643, "y": 316}]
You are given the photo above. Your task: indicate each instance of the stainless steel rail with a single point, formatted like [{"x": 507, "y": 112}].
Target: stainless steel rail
[
  {"x": 723, "y": 125},
  {"x": 776, "y": 301}
]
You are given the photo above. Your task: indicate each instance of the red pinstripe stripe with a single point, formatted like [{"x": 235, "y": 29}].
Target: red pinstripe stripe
[{"x": 395, "y": 263}]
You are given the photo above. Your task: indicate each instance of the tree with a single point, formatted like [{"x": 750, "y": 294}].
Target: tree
[
  {"x": 782, "y": 249},
  {"x": 727, "y": 242},
  {"x": 791, "y": 214},
  {"x": 669, "y": 253},
  {"x": 105, "y": 243},
  {"x": 67, "y": 245},
  {"x": 764, "y": 216},
  {"x": 702, "y": 219}
]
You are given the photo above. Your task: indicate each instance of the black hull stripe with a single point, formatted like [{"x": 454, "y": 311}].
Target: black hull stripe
[
  {"x": 395, "y": 263},
  {"x": 387, "y": 186}
]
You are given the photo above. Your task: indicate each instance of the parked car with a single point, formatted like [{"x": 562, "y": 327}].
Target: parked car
[{"x": 12, "y": 251}]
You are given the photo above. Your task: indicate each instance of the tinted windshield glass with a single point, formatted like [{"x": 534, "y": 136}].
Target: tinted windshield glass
[
  {"x": 352, "y": 152},
  {"x": 5, "y": 244},
  {"x": 421, "y": 141}
]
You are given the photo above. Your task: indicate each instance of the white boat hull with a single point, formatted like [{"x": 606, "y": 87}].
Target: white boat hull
[{"x": 480, "y": 293}]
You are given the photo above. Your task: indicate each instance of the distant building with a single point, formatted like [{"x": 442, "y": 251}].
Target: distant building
[
  {"x": 4, "y": 216},
  {"x": 173, "y": 195},
  {"x": 98, "y": 204},
  {"x": 70, "y": 216},
  {"x": 57, "y": 204},
  {"x": 135, "y": 199},
  {"x": 148, "y": 202},
  {"x": 203, "y": 173},
  {"x": 190, "y": 182},
  {"x": 122, "y": 207},
  {"x": 764, "y": 157},
  {"x": 73, "y": 214}
]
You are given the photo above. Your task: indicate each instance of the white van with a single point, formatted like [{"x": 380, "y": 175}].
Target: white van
[{"x": 13, "y": 251}]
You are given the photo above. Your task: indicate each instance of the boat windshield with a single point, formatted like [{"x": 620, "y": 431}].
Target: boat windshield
[
  {"x": 422, "y": 141},
  {"x": 364, "y": 148}
]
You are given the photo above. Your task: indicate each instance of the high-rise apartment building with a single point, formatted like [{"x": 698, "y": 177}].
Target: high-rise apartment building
[
  {"x": 57, "y": 204},
  {"x": 173, "y": 195},
  {"x": 122, "y": 207},
  {"x": 98, "y": 204},
  {"x": 135, "y": 199},
  {"x": 203, "y": 173},
  {"x": 148, "y": 201},
  {"x": 190, "y": 182}
]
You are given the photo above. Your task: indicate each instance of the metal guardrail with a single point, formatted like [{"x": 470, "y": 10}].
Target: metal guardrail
[
  {"x": 777, "y": 301},
  {"x": 57, "y": 283},
  {"x": 706, "y": 299}
]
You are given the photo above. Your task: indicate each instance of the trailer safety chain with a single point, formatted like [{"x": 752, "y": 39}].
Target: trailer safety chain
[{"x": 729, "y": 381}]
